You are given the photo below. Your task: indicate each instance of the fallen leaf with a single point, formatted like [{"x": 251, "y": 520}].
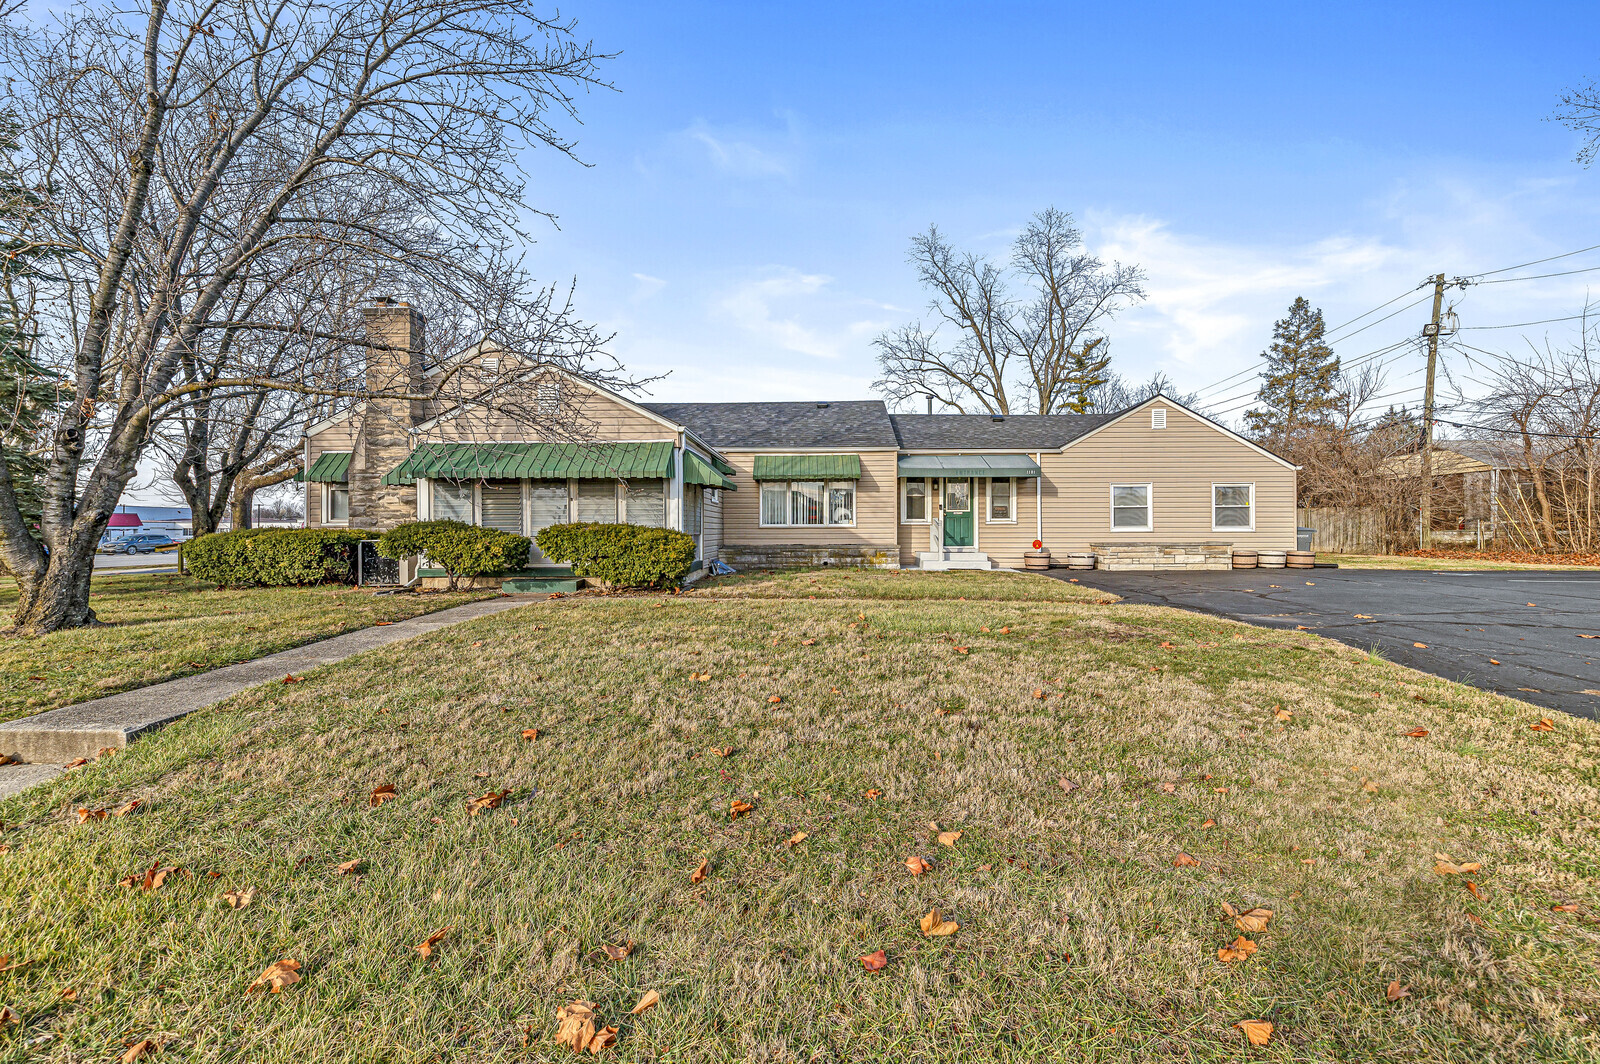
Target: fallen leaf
[
  {"x": 69, "y": 994},
  {"x": 292, "y": 678},
  {"x": 77, "y": 762},
  {"x": 7, "y": 759},
  {"x": 1209, "y": 823},
  {"x": 934, "y": 925},
  {"x": 576, "y": 1025},
  {"x": 808, "y": 642},
  {"x": 1370, "y": 786},
  {"x": 739, "y": 809},
  {"x": 1005, "y": 631},
  {"x": 1417, "y": 733},
  {"x": 1166, "y": 645},
  {"x": 1168, "y": 788},
  {"x": 1444, "y": 866},
  {"x": 486, "y": 800},
  {"x": 645, "y": 1003},
  {"x": 1533, "y": 604},
  {"x": 1565, "y": 907},
  {"x": 874, "y": 793},
  {"x": 239, "y": 899},
  {"x": 382, "y": 624},
  {"x": 1238, "y": 950},
  {"x": 155, "y": 877},
  {"x": 530, "y": 734},
  {"x": 425, "y": 947},
  {"x": 1258, "y": 1032},
  {"x": 918, "y": 865},
  {"x": 796, "y": 839},
  {"x": 1544, "y": 725},
  {"x": 1252, "y": 921},
  {"x": 86, "y": 815},
  {"x": 380, "y": 795},
  {"x": 874, "y": 962},
  {"x": 139, "y": 1050},
  {"x": 1038, "y": 692},
  {"x": 1066, "y": 785},
  {"x": 1364, "y": 616},
  {"x": 723, "y": 751},
  {"x": 1283, "y": 714},
  {"x": 1422, "y": 646},
  {"x": 8, "y": 1015},
  {"x": 6, "y": 964},
  {"x": 1301, "y": 628},
  {"x": 618, "y": 953},
  {"x": 1582, "y": 635},
  {"x": 1473, "y": 889},
  {"x": 1183, "y": 860},
  {"x": 349, "y": 868},
  {"x": 949, "y": 838},
  {"x": 1395, "y": 991},
  {"x": 127, "y": 807},
  {"x": 1493, "y": 662},
  {"x": 700, "y": 871},
  {"x": 278, "y": 975},
  {"x": 775, "y": 699}
]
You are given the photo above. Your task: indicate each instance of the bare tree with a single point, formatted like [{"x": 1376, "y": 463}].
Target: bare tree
[
  {"x": 1116, "y": 393},
  {"x": 198, "y": 161},
  {"x": 1044, "y": 350}
]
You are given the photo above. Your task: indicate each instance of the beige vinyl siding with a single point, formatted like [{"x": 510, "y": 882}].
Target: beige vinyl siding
[
  {"x": 1181, "y": 462},
  {"x": 877, "y": 507},
  {"x": 711, "y": 526},
  {"x": 586, "y": 414},
  {"x": 340, "y": 436},
  {"x": 1003, "y": 542}
]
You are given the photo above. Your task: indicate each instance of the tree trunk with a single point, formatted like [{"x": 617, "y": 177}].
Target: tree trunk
[
  {"x": 58, "y": 597},
  {"x": 243, "y": 500}
]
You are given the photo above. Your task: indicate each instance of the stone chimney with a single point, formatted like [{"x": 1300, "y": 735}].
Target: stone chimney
[{"x": 394, "y": 365}]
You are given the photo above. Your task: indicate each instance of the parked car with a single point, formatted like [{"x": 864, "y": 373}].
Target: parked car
[{"x": 143, "y": 543}]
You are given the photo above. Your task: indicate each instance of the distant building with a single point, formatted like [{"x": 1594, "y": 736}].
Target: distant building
[{"x": 175, "y": 521}]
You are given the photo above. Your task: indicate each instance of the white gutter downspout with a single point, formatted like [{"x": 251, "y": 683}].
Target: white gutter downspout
[{"x": 1038, "y": 497}]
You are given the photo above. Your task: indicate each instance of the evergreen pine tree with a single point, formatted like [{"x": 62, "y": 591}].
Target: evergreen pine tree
[
  {"x": 1088, "y": 369},
  {"x": 1300, "y": 385}
]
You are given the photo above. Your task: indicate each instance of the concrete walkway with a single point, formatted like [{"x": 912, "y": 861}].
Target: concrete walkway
[{"x": 47, "y": 741}]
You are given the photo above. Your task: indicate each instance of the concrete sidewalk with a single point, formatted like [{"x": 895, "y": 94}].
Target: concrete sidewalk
[{"x": 47, "y": 741}]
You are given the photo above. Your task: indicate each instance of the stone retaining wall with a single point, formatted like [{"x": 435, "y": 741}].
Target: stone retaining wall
[
  {"x": 808, "y": 556},
  {"x": 1140, "y": 556}
]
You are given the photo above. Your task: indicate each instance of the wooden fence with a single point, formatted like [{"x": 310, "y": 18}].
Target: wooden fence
[{"x": 1344, "y": 531}]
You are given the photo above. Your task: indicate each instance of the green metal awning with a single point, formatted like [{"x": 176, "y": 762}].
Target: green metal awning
[
  {"x": 539, "y": 461},
  {"x": 697, "y": 470},
  {"x": 808, "y": 467},
  {"x": 331, "y": 467},
  {"x": 968, "y": 465}
]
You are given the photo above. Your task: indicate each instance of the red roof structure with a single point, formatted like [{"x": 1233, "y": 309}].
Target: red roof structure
[{"x": 124, "y": 521}]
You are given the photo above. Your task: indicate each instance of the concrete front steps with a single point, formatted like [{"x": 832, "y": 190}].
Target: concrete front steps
[{"x": 953, "y": 559}]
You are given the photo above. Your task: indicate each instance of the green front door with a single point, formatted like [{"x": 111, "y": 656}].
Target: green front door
[{"x": 958, "y": 512}]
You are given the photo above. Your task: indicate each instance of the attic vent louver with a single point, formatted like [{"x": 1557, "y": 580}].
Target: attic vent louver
[
  {"x": 823, "y": 406},
  {"x": 1158, "y": 418},
  {"x": 997, "y": 417}
]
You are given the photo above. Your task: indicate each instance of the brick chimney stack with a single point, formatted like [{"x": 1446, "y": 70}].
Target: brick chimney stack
[{"x": 394, "y": 365}]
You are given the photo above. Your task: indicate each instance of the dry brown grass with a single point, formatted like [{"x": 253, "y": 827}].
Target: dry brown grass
[{"x": 1079, "y": 940}]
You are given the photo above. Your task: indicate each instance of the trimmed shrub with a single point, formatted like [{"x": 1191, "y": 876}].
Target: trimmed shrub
[
  {"x": 458, "y": 548},
  {"x": 273, "y": 557},
  {"x": 621, "y": 555}
]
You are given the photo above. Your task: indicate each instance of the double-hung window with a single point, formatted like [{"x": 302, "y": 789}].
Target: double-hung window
[
  {"x": 337, "y": 501},
  {"x": 914, "y": 501},
  {"x": 1002, "y": 501},
  {"x": 1233, "y": 507},
  {"x": 808, "y": 502},
  {"x": 1130, "y": 508},
  {"x": 452, "y": 501}
]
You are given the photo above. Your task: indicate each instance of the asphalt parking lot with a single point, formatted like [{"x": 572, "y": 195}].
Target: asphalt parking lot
[{"x": 1530, "y": 621}]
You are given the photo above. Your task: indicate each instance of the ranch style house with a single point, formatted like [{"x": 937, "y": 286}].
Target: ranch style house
[{"x": 521, "y": 446}]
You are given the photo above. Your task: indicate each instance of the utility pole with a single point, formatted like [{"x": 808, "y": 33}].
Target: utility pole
[{"x": 1431, "y": 332}]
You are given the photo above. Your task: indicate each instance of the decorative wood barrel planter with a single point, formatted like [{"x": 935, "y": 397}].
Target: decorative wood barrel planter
[
  {"x": 1081, "y": 559},
  {"x": 1036, "y": 560},
  {"x": 1244, "y": 559},
  {"x": 1301, "y": 559},
  {"x": 1272, "y": 559}
]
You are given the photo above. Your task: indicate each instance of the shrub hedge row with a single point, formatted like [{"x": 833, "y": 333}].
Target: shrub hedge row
[
  {"x": 458, "y": 548},
  {"x": 621, "y": 555},
  {"x": 273, "y": 557}
]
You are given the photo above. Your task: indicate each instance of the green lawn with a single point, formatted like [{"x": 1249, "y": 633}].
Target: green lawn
[
  {"x": 159, "y": 627},
  {"x": 897, "y": 717}
]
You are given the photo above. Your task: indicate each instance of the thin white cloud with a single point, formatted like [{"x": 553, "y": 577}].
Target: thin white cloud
[
  {"x": 647, "y": 286},
  {"x": 787, "y": 310},
  {"x": 738, "y": 155}
]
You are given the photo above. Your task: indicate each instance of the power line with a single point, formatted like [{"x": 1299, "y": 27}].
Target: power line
[
  {"x": 1539, "y": 276},
  {"x": 1519, "y": 431},
  {"x": 1525, "y": 324},
  {"x": 1535, "y": 262}
]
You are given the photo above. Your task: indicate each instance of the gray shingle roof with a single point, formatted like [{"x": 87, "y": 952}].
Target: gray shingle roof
[
  {"x": 854, "y": 423},
  {"x": 972, "y": 432}
]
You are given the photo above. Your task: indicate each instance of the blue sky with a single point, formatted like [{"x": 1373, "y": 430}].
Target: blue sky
[{"x": 752, "y": 185}]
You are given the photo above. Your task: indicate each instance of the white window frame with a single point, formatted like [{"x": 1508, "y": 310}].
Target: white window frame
[
  {"x": 927, "y": 509},
  {"x": 1149, "y": 508},
  {"x": 788, "y": 489},
  {"x": 1251, "y": 527},
  {"x": 327, "y": 494},
  {"x": 988, "y": 502}
]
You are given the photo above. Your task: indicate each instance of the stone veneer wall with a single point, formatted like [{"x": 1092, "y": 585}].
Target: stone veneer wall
[
  {"x": 394, "y": 365},
  {"x": 808, "y": 556},
  {"x": 1133, "y": 556}
]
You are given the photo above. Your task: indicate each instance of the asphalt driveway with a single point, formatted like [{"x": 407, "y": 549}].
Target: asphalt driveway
[{"x": 1529, "y": 621}]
